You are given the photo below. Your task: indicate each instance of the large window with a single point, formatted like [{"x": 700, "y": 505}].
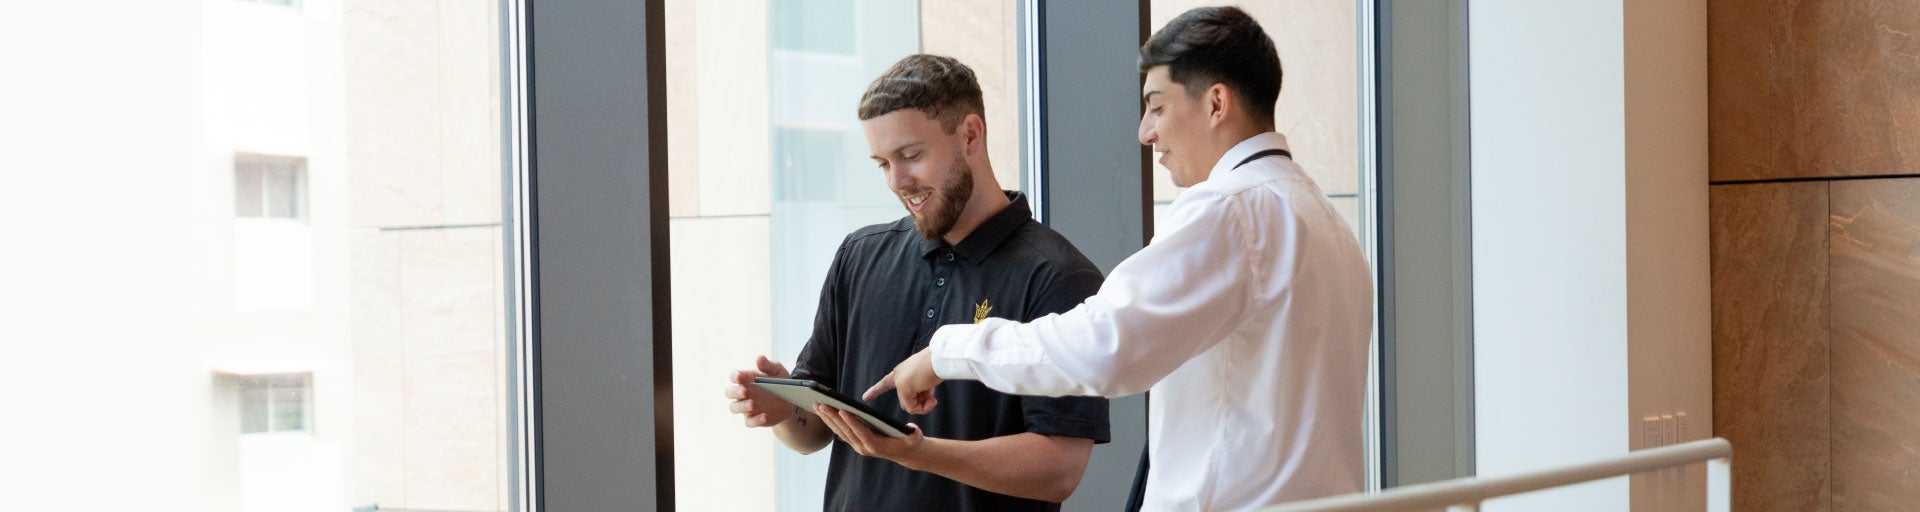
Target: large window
[
  {"x": 270, "y": 240},
  {"x": 768, "y": 172},
  {"x": 301, "y": 268}
]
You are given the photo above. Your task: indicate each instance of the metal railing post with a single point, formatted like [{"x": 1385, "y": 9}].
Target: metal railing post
[{"x": 1720, "y": 484}]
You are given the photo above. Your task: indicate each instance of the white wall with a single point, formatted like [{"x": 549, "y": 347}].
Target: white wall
[
  {"x": 1549, "y": 266},
  {"x": 1590, "y": 246}
]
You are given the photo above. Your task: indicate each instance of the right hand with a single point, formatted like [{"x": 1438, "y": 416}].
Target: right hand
[{"x": 760, "y": 408}]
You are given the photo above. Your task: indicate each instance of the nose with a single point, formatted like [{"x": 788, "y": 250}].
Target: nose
[
  {"x": 898, "y": 179},
  {"x": 1148, "y": 135}
]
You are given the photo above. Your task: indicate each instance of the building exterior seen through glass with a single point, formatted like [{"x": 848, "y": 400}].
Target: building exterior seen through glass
[{"x": 288, "y": 295}]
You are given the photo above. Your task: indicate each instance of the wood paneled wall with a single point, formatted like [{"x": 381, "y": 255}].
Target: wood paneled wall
[
  {"x": 1874, "y": 354},
  {"x": 1770, "y": 374},
  {"x": 1814, "y": 127},
  {"x": 1813, "y": 89}
]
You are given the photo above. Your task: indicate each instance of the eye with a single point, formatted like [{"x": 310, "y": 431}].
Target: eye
[
  {"x": 1155, "y": 111},
  {"x": 910, "y": 158}
]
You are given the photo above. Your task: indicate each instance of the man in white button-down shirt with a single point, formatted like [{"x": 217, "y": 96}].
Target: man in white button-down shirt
[{"x": 1248, "y": 315}]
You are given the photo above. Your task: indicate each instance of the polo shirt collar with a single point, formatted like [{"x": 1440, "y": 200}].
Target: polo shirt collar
[{"x": 984, "y": 239}]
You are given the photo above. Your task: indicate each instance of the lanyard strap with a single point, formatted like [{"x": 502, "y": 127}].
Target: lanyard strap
[{"x": 1264, "y": 154}]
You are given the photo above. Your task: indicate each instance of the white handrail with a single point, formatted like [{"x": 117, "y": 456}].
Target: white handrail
[{"x": 1465, "y": 494}]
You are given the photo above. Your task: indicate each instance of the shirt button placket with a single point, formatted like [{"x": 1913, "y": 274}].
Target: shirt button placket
[{"x": 939, "y": 282}]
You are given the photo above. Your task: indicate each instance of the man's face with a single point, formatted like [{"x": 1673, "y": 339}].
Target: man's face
[
  {"x": 1172, "y": 122},
  {"x": 925, "y": 166}
]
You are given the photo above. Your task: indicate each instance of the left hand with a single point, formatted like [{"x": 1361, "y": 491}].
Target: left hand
[
  {"x": 866, "y": 442},
  {"x": 915, "y": 379}
]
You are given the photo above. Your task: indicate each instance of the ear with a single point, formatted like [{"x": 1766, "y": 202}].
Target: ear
[
  {"x": 973, "y": 129},
  {"x": 1220, "y": 103}
]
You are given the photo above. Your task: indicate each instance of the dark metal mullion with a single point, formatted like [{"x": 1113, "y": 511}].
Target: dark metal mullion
[
  {"x": 1388, "y": 421},
  {"x": 658, "y": 220},
  {"x": 599, "y": 412}
]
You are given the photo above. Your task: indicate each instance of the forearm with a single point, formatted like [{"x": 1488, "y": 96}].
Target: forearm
[
  {"x": 1083, "y": 353},
  {"x": 803, "y": 433},
  {"x": 1026, "y": 465}
]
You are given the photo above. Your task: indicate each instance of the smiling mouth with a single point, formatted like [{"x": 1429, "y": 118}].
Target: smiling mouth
[{"x": 915, "y": 203}]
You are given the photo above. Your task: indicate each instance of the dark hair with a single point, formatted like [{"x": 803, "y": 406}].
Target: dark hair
[
  {"x": 1218, "y": 45},
  {"x": 940, "y": 86}
]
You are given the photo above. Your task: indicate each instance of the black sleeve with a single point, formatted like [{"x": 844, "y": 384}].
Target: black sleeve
[
  {"x": 820, "y": 358},
  {"x": 1064, "y": 291},
  {"x": 1070, "y": 416}
]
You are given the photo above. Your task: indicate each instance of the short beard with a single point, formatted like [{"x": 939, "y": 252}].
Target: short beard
[{"x": 953, "y": 199}]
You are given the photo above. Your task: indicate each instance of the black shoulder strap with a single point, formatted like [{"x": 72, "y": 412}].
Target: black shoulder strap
[{"x": 1264, "y": 154}]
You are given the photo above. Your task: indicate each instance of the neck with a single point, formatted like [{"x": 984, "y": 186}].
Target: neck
[
  {"x": 987, "y": 200},
  {"x": 1225, "y": 138}
]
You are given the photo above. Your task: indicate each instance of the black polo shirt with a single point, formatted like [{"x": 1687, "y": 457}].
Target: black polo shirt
[{"x": 888, "y": 290}]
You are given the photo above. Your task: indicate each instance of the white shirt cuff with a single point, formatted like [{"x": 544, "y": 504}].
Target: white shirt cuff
[{"x": 949, "y": 352}]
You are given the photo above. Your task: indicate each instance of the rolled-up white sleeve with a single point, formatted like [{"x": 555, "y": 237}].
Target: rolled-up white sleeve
[{"x": 1173, "y": 300}]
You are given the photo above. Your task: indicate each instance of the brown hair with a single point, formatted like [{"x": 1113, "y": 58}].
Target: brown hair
[{"x": 940, "y": 86}]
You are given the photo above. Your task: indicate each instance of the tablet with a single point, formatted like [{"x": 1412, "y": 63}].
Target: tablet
[{"x": 806, "y": 393}]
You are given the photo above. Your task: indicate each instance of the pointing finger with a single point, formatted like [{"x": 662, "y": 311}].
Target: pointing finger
[{"x": 885, "y": 384}]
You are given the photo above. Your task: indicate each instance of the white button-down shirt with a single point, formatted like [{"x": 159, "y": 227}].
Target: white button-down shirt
[{"x": 1248, "y": 316}]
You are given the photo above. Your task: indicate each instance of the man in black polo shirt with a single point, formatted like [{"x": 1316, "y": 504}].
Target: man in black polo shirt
[{"x": 966, "y": 251}]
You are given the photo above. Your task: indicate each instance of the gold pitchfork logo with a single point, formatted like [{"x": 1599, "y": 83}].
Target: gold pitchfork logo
[{"x": 980, "y": 311}]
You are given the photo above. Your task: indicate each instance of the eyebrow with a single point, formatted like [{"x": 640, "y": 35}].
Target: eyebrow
[{"x": 1149, "y": 95}]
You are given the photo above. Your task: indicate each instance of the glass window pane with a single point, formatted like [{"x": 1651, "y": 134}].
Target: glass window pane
[
  {"x": 1318, "y": 110},
  {"x": 808, "y": 162},
  {"x": 254, "y": 406},
  {"x": 769, "y": 171},
  {"x": 287, "y": 403},
  {"x": 270, "y": 186},
  {"x": 249, "y": 185},
  {"x": 353, "y": 358},
  {"x": 819, "y": 26},
  {"x": 280, "y": 192}
]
